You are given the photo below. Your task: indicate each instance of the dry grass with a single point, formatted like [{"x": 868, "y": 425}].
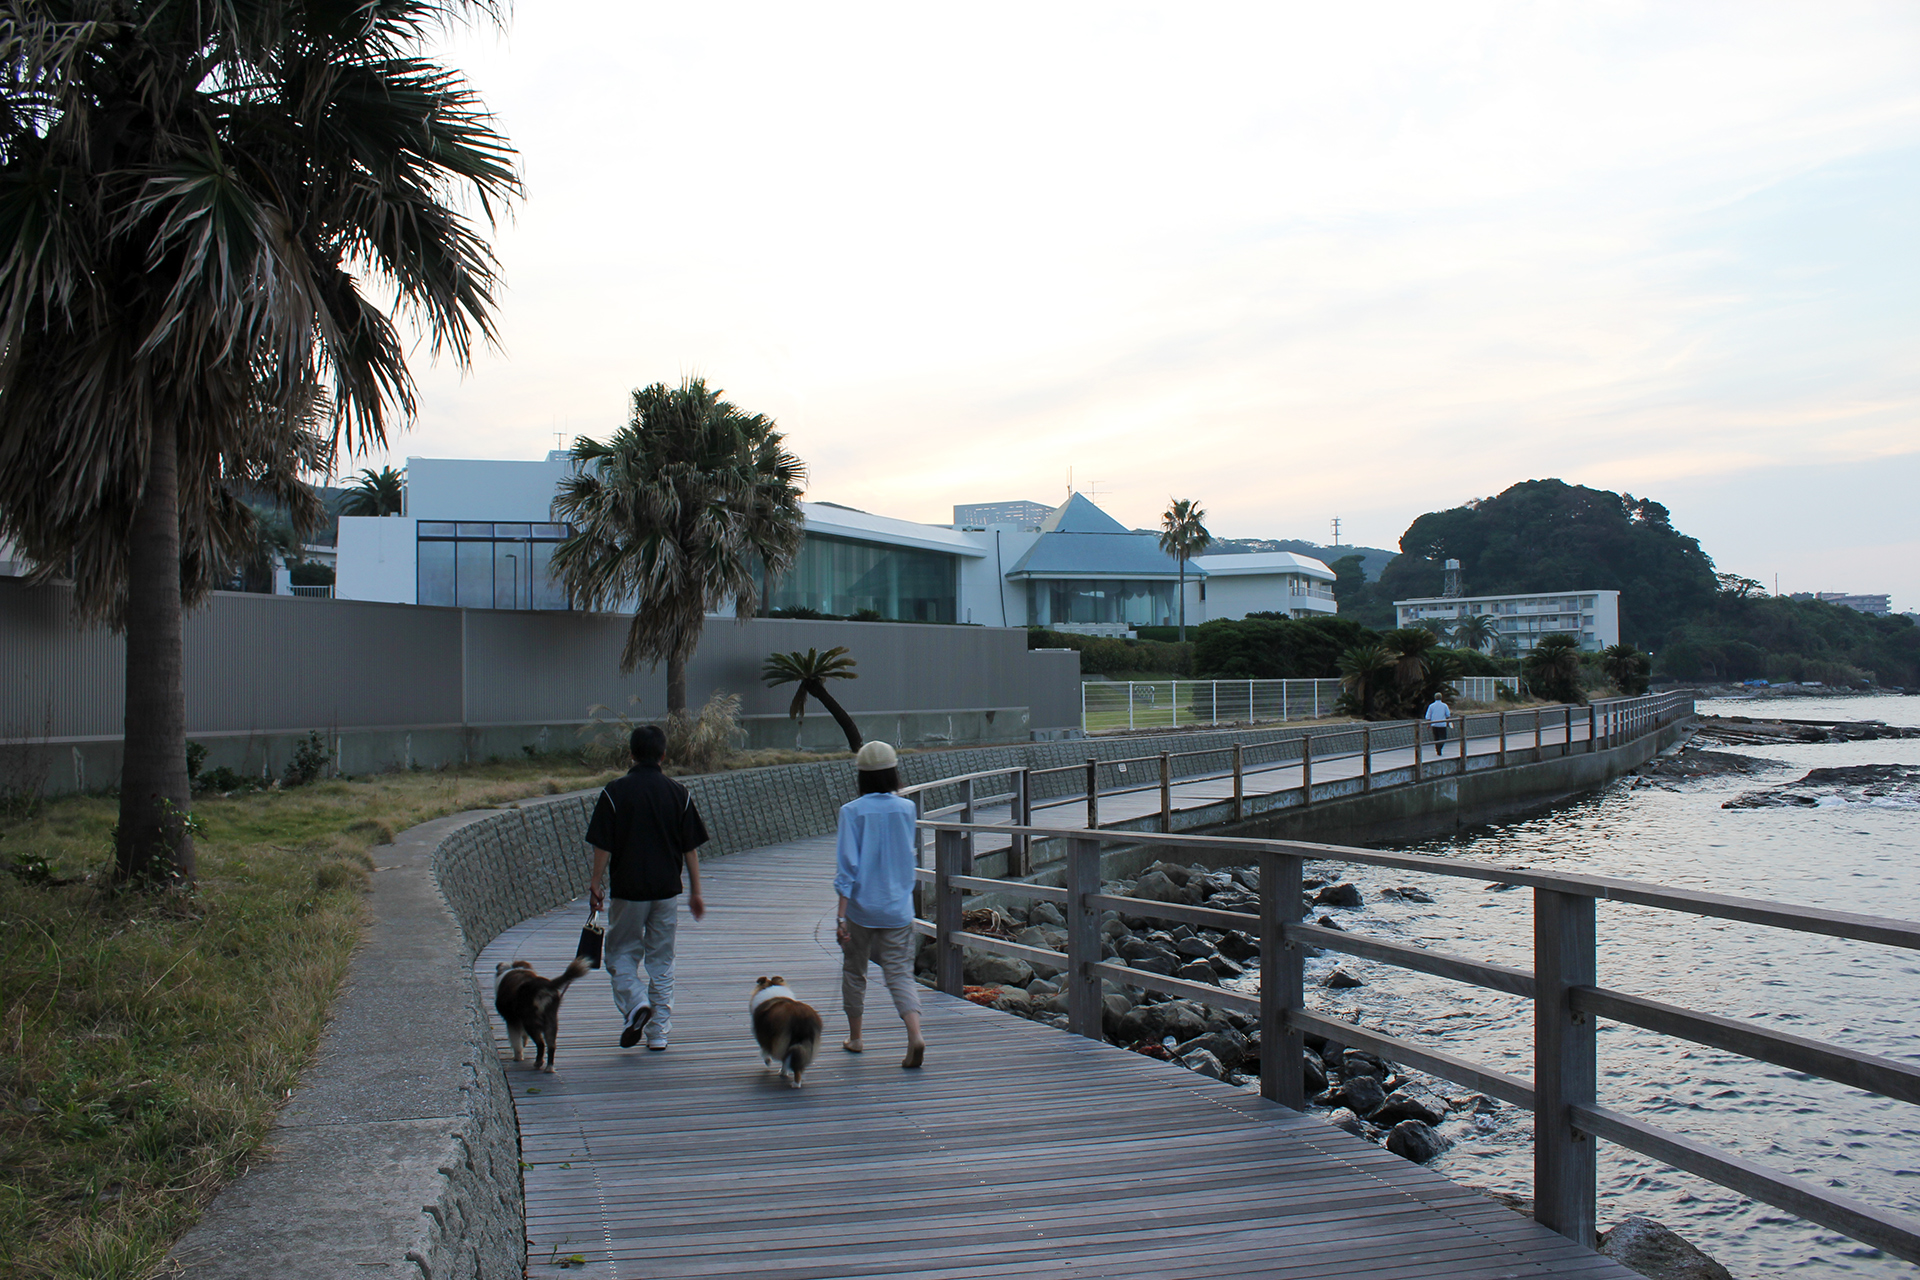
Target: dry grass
[{"x": 148, "y": 1040}]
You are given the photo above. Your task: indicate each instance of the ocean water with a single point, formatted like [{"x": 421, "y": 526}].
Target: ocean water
[{"x": 1861, "y": 857}]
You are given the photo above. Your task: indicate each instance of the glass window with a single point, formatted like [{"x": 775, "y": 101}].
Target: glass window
[
  {"x": 469, "y": 529},
  {"x": 473, "y": 574},
  {"x": 1136, "y": 603},
  {"x": 436, "y": 573},
  {"x": 837, "y": 576},
  {"x": 511, "y": 585},
  {"x": 511, "y": 530},
  {"x": 548, "y": 591},
  {"x": 551, "y": 531},
  {"x": 436, "y": 529}
]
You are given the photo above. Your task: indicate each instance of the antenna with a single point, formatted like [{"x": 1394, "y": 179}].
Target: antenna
[
  {"x": 1453, "y": 588},
  {"x": 1093, "y": 489},
  {"x": 1336, "y": 531}
]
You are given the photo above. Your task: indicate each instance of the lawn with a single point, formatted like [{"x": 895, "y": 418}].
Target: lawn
[{"x": 148, "y": 1039}]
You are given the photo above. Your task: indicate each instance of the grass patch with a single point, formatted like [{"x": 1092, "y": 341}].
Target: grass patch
[{"x": 148, "y": 1040}]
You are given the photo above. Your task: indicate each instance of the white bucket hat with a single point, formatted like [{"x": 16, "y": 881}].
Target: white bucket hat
[{"x": 876, "y": 755}]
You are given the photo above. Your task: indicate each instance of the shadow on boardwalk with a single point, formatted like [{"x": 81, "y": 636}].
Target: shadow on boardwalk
[{"x": 1019, "y": 1150}]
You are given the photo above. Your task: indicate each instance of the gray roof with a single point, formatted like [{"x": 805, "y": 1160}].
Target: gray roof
[{"x": 1079, "y": 540}]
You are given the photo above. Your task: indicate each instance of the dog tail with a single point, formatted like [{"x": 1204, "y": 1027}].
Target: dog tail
[
  {"x": 797, "y": 1059},
  {"x": 578, "y": 969}
]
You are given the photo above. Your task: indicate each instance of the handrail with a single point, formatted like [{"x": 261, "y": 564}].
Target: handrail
[{"x": 1561, "y": 984}]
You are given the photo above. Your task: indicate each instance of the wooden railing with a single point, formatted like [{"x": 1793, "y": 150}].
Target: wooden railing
[{"x": 1562, "y": 985}]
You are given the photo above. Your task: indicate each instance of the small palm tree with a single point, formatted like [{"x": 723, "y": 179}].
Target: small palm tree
[
  {"x": 376, "y": 493},
  {"x": 812, "y": 670},
  {"x": 1409, "y": 647},
  {"x": 1183, "y": 536},
  {"x": 1627, "y": 667},
  {"x": 675, "y": 516},
  {"x": 1553, "y": 669},
  {"x": 1439, "y": 628},
  {"x": 1362, "y": 669},
  {"x": 1477, "y": 632}
]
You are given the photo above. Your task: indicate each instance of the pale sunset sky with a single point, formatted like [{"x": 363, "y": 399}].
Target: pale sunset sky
[{"x": 1296, "y": 261}]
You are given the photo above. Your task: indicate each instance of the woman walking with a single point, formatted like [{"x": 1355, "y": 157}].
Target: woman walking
[{"x": 873, "y": 875}]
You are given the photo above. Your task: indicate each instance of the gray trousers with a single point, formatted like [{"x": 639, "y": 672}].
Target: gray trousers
[
  {"x": 892, "y": 950},
  {"x": 638, "y": 954}
]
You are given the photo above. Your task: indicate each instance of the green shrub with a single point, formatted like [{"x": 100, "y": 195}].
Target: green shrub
[
  {"x": 1276, "y": 648},
  {"x": 1113, "y": 656},
  {"x": 309, "y": 758}
]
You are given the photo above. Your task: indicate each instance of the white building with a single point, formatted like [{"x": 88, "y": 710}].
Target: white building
[
  {"x": 1591, "y": 617},
  {"x": 481, "y": 535}
]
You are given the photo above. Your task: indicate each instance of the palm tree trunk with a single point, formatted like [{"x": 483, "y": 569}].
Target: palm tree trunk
[
  {"x": 1183, "y": 600},
  {"x": 676, "y": 684},
  {"x": 840, "y": 717},
  {"x": 154, "y": 842}
]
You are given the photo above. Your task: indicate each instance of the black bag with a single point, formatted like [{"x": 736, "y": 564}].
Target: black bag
[{"x": 593, "y": 938}]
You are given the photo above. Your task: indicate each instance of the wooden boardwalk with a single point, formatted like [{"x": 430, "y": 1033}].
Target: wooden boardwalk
[{"x": 1018, "y": 1150}]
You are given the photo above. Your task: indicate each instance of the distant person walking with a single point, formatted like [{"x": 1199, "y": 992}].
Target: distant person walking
[
  {"x": 644, "y": 829},
  {"x": 1438, "y": 714},
  {"x": 873, "y": 874}
]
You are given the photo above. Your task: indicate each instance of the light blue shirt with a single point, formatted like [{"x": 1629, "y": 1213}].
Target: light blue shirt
[
  {"x": 1438, "y": 712},
  {"x": 873, "y": 865}
]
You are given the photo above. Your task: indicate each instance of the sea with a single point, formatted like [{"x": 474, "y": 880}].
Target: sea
[{"x": 1856, "y": 853}]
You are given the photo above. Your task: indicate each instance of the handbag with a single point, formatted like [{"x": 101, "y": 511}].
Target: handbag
[{"x": 593, "y": 937}]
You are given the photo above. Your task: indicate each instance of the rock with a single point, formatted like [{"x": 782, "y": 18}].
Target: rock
[
  {"x": 1236, "y": 945},
  {"x": 1205, "y": 1063},
  {"x": 1042, "y": 987},
  {"x": 1249, "y": 878},
  {"x": 1193, "y": 948},
  {"x": 1341, "y": 1118},
  {"x": 1032, "y": 936},
  {"x": 1142, "y": 1022},
  {"x": 1224, "y": 968},
  {"x": 1409, "y": 1104},
  {"x": 1154, "y": 964},
  {"x": 1415, "y": 1141},
  {"x": 1361, "y": 1093},
  {"x": 1012, "y": 1000},
  {"x": 1115, "y": 930},
  {"x": 1182, "y": 1019},
  {"x": 1340, "y": 980},
  {"x": 1338, "y": 895},
  {"x": 1146, "y": 949},
  {"x": 1643, "y": 1245},
  {"x": 985, "y": 969},
  {"x": 1229, "y": 1048},
  {"x": 1314, "y": 1073},
  {"x": 1236, "y": 900},
  {"x": 1112, "y": 1009},
  {"x": 1214, "y": 882},
  {"x": 1156, "y": 886},
  {"x": 1407, "y": 893},
  {"x": 1047, "y": 913},
  {"x": 1357, "y": 1062},
  {"x": 1328, "y": 922},
  {"x": 1197, "y": 971}
]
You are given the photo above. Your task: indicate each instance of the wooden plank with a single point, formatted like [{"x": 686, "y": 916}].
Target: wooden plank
[
  {"x": 1012, "y": 888},
  {"x": 1895, "y": 1233},
  {"x": 1494, "y": 977},
  {"x": 1219, "y": 997},
  {"x": 1565, "y": 1074},
  {"x": 1875, "y": 1074},
  {"x": 1002, "y": 946},
  {"x": 1494, "y": 1083},
  {"x": 1209, "y": 917}
]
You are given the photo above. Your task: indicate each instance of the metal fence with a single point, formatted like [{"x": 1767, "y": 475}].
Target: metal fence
[
  {"x": 1487, "y": 688},
  {"x": 1175, "y": 704}
]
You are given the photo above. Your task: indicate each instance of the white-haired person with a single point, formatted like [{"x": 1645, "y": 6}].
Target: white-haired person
[{"x": 873, "y": 874}]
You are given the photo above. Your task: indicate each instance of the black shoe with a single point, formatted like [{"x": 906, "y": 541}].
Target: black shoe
[{"x": 636, "y": 1026}]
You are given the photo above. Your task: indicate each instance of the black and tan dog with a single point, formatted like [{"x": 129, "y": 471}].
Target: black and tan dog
[
  {"x": 530, "y": 1006},
  {"x": 788, "y": 1031}
]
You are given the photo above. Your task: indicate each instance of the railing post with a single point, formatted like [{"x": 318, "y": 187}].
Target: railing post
[
  {"x": 1306, "y": 768},
  {"x": 1536, "y": 734},
  {"x": 1282, "y": 983},
  {"x": 1593, "y": 728},
  {"x": 1239, "y": 781},
  {"x": 1418, "y": 727},
  {"x": 1213, "y": 702},
  {"x": 919, "y": 858},
  {"x": 1176, "y": 704},
  {"x": 1083, "y": 938},
  {"x": 1130, "y": 696},
  {"x": 1366, "y": 757},
  {"x": 1093, "y": 794},
  {"x": 1502, "y": 761},
  {"x": 1566, "y": 743},
  {"x": 1166, "y": 793},
  {"x": 1023, "y": 817},
  {"x": 948, "y": 956},
  {"x": 1563, "y": 1063},
  {"x": 966, "y": 815},
  {"x": 1316, "y": 699}
]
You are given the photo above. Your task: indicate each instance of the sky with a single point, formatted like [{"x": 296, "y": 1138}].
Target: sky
[{"x": 1295, "y": 261}]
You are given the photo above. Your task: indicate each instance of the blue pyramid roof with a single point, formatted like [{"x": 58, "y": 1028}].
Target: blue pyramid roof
[
  {"x": 1079, "y": 540},
  {"x": 1078, "y": 515}
]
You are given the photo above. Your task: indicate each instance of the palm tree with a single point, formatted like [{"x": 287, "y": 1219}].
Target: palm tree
[
  {"x": 1409, "y": 647},
  {"x": 376, "y": 493},
  {"x": 1183, "y": 536},
  {"x": 1438, "y": 628},
  {"x": 674, "y": 517},
  {"x": 1553, "y": 669},
  {"x": 1362, "y": 668},
  {"x": 812, "y": 670},
  {"x": 1627, "y": 667},
  {"x": 191, "y": 198},
  {"x": 1476, "y": 631}
]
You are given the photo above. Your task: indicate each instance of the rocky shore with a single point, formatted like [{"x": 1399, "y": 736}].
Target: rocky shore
[
  {"x": 1870, "y": 784},
  {"x": 1753, "y": 731}
]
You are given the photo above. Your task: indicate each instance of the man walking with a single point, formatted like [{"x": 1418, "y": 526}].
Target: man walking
[
  {"x": 644, "y": 828},
  {"x": 1438, "y": 714}
]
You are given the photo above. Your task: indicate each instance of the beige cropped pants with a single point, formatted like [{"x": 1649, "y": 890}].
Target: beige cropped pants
[{"x": 892, "y": 950}]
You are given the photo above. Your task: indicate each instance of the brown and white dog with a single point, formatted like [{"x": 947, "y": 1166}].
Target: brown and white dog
[
  {"x": 788, "y": 1031},
  {"x": 530, "y": 1006}
]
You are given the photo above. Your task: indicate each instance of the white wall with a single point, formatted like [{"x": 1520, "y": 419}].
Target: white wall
[
  {"x": 473, "y": 489},
  {"x": 986, "y": 597},
  {"x": 377, "y": 559}
]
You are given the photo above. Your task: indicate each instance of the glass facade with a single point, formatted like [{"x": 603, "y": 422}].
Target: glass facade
[
  {"x": 834, "y": 575},
  {"x": 1135, "y": 602},
  {"x": 483, "y": 565}
]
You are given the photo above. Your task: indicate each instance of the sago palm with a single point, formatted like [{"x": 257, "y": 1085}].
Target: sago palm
[
  {"x": 1409, "y": 646},
  {"x": 203, "y": 208},
  {"x": 1627, "y": 667},
  {"x": 376, "y": 493},
  {"x": 1553, "y": 669},
  {"x": 1362, "y": 669},
  {"x": 812, "y": 670},
  {"x": 674, "y": 517},
  {"x": 1183, "y": 536}
]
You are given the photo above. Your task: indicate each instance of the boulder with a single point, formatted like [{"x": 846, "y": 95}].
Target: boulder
[
  {"x": 1197, "y": 971},
  {"x": 1143, "y": 949},
  {"x": 1249, "y": 878},
  {"x": 1643, "y": 1245},
  {"x": 1410, "y": 1104},
  {"x": 1042, "y": 987},
  {"x": 1032, "y": 936},
  {"x": 1237, "y": 945},
  {"x": 1236, "y": 900},
  {"x": 985, "y": 969},
  {"x": 1361, "y": 1093},
  {"x": 1193, "y": 948},
  {"x": 1224, "y": 968},
  {"x": 1340, "y": 980},
  {"x": 1407, "y": 893},
  {"x": 1313, "y": 1071},
  {"x": 1142, "y": 1022},
  {"x": 1205, "y": 1063},
  {"x": 1114, "y": 929},
  {"x": 1154, "y": 964},
  {"x": 1155, "y": 886},
  {"x": 1182, "y": 1019},
  {"x": 1360, "y": 1062},
  {"x": 1341, "y": 1118},
  {"x": 1047, "y": 913},
  {"x": 1328, "y": 922},
  {"x": 1215, "y": 882},
  {"x": 1415, "y": 1141},
  {"x": 1012, "y": 1000},
  {"x": 1229, "y": 1048},
  {"x": 1338, "y": 895}
]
